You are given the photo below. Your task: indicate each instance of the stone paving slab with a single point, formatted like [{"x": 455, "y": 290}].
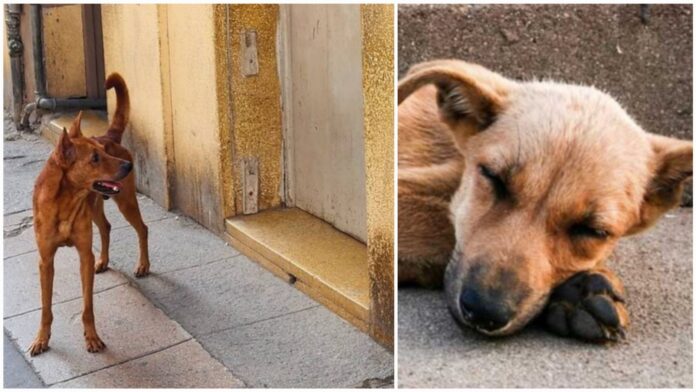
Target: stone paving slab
[
  {"x": 23, "y": 159},
  {"x": 14, "y": 220},
  {"x": 310, "y": 348},
  {"x": 149, "y": 210},
  {"x": 175, "y": 243},
  {"x": 21, "y": 242},
  {"x": 222, "y": 295},
  {"x": 22, "y": 289},
  {"x": 185, "y": 365},
  {"x": 126, "y": 321},
  {"x": 656, "y": 268},
  {"x": 15, "y": 370}
]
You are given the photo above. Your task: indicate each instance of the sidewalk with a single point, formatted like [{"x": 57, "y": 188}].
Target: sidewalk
[{"x": 206, "y": 316}]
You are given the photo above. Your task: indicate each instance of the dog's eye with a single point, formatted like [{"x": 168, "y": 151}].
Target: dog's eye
[
  {"x": 585, "y": 230},
  {"x": 95, "y": 157},
  {"x": 498, "y": 184}
]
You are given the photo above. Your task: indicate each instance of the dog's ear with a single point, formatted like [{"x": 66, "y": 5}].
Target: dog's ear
[
  {"x": 65, "y": 150},
  {"x": 672, "y": 166},
  {"x": 75, "y": 129},
  {"x": 469, "y": 96}
]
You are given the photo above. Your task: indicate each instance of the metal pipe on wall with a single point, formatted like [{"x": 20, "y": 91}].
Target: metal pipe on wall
[
  {"x": 16, "y": 49},
  {"x": 43, "y": 101}
]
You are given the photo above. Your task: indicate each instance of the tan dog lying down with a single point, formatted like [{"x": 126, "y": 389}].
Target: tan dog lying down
[{"x": 516, "y": 193}]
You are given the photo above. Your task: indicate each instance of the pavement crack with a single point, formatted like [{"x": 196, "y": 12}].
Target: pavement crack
[
  {"x": 33, "y": 161},
  {"x": 377, "y": 382},
  {"x": 17, "y": 212},
  {"x": 22, "y": 254},
  {"x": 64, "y": 301},
  {"x": 7, "y": 158},
  {"x": 260, "y": 320},
  {"x": 20, "y": 228}
]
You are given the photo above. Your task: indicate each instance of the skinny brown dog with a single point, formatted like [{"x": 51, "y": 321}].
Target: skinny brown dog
[
  {"x": 69, "y": 195},
  {"x": 513, "y": 194}
]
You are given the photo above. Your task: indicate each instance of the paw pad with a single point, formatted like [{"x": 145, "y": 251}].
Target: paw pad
[{"x": 586, "y": 307}]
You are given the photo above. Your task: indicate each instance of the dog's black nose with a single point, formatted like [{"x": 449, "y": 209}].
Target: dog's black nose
[
  {"x": 485, "y": 311},
  {"x": 126, "y": 167}
]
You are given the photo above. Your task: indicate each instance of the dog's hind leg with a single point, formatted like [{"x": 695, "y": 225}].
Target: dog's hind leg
[
  {"x": 104, "y": 232},
  {"x": 426, "y": 239},
  {"x": 40, "y": 343},
  {"x": 588, "y": 306},
  {"x": 128, "y": 205}
]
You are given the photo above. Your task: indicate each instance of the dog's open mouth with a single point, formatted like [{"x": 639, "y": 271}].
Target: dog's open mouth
[{"x": 107, "y": 187}]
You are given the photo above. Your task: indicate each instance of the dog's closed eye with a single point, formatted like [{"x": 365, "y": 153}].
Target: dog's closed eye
[
  {"x": 586, "y": 230},
  {"x": 499, "y": 186}
]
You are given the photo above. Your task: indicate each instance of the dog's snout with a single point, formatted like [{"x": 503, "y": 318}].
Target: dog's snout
[
  {"x": 126, "y": 167},
  {"x": 485, "y": 311}
]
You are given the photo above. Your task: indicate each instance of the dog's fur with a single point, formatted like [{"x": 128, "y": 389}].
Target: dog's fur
[
  {"x": 523, "y": 185},
  {"x": 66, "y": 202}
]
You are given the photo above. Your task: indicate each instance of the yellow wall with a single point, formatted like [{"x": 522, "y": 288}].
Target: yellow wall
[
  {"x": 64, "y": 54},
  {"x": 167, "y": 55},
  {"x": 378, "y": 92},
  {"x": 195, "y": 117},
  {"x": 132, "y": 48}
]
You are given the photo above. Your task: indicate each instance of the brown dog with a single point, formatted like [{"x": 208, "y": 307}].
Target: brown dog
[
  {"x": 516, "y": 192},
  {"x": 67, "y": 199}
]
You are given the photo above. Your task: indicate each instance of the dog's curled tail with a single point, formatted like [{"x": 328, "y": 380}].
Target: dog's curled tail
[{"x": 120, "y": 120}]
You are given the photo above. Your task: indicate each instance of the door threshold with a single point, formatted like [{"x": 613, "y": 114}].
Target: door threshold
[
  {"x": 321, "y": 261},
  {"x": 94, "y": 123}
]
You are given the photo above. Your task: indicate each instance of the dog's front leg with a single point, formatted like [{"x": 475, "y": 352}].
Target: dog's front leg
[
  {"x": 40, "y": 343},
  {"x": 84, "y": 248},
  {"x": 588, "y": 306},
  {"x": 104, "y": 233}
]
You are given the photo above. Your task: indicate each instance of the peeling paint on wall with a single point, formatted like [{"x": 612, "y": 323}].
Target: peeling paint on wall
[{"x": 378, "y": 89}]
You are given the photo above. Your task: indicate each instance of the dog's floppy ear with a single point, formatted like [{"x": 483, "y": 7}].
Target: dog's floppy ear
[
  {"x": 75, "y": 130},
  {"x": 673, "y": 165},
  {"x": 65, "y": 150},
  {"x": 469, "y": 96}
]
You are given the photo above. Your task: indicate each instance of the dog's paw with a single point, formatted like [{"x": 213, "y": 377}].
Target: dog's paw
[
  {"x": 38, "y": 346},
  {"x": 588, "y": 307},
  {"x": 101, "y": 266},
  {"x": 94, "y": 344},
  {"x": 142, "y": 270}
]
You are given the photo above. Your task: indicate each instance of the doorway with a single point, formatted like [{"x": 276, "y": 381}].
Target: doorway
[{"x": 323, "y": 124}]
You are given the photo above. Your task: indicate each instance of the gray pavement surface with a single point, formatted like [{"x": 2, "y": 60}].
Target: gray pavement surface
[
  {"x": 18, "y": 373},
  {"x": 206, "y": 316},
  {"x": 656, "y": 268}
]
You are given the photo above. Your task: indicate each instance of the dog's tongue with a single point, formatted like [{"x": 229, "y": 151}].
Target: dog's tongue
[{"x": 114, "y": 186}]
